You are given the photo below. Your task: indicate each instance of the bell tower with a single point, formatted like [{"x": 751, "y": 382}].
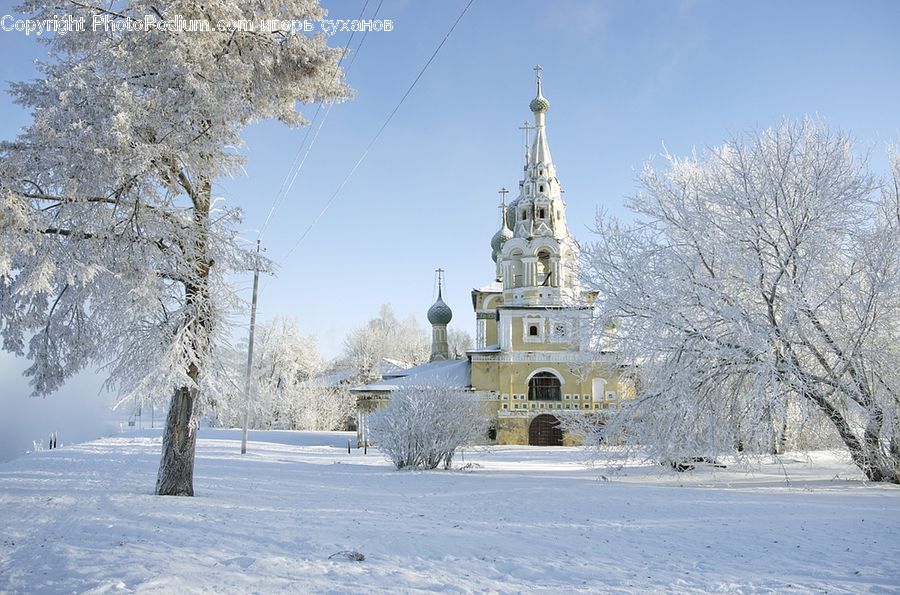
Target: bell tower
[{"x": 534, "y": 253}]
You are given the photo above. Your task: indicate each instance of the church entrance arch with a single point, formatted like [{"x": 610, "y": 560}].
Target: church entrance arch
[{"x": 545, "y": 431}]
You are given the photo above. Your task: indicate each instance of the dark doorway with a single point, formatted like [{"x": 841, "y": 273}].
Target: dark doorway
[{"x": 545, "y": 431}]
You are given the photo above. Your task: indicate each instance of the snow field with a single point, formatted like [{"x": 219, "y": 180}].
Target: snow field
[{"x": 83, "y": 519}]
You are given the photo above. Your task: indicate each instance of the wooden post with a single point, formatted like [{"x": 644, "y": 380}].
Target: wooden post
[{"x": 249, "y": 383}]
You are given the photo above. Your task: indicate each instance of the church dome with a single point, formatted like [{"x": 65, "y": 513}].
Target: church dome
[
  {"x": 500, "y": 238},
  {"x": 539, "y": 104},
  {"x": 440, "y": 312}
]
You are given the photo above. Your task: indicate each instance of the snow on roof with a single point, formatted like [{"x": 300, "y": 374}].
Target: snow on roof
[
  {"x": 486, "y": 349},
  {"x": 334, "y": 379},
  {"x": 492, "y": 287},
  {"x": 389, "y": 368},
  {"x": 452, "y": 373}
]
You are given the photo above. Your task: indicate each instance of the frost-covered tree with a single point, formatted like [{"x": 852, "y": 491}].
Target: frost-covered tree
[
  {"x": 323, "y": 407},
  {"x": 287, "y": 387},
  {"x": 115, "y": 249},
  {"x": 285, "y": 361},
  {"x": 459, "y": 342},
  {"x": 385, "y": 337},
  {"x": 422, "y": 427},
  {"x": 758, "y": 296}
]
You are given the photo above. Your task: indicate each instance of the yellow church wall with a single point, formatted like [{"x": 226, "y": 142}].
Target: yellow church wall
[
  {"x": 485, "y": 376},
  {"x": 514, "y": 431},
  {"x": 510, "y": 380},
  {"x": 521, "y": 341},
  {"x": 490, "y": 332},
  {"x": 486, "y": 305}
]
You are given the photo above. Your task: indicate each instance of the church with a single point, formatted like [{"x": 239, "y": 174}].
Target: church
[{"x": 534, "y": 355}]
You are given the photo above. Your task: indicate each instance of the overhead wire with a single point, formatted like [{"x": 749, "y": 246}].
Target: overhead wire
[
  {"x": 288, "y": 183},
  {"x": 375, "y": 138}
]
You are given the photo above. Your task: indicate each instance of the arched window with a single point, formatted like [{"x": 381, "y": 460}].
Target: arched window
[
  {"x": 543, "y": 267},
  {"x": 544, "y": 386},
  {"x": 516, "y": 271}
]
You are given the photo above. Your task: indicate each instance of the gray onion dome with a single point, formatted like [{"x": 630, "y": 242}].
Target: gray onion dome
[
  {"x": 500, "y": 238},
  {"x": 539, "y": 104},
  {"x": 440, "y": 312}
]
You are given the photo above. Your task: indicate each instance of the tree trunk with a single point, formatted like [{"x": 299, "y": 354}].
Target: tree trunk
[
  {"x": 894, "y": 444},
  {"x": 869, "y": 456},
  {"x": 780, "y": 437},
  {"x": 176, "y": 469}
]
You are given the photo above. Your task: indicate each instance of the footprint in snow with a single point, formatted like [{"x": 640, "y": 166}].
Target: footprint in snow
[{"x": 243, "y": 562}]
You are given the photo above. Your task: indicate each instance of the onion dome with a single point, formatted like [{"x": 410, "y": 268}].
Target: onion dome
[
  {"x": 439, "y": 313},
  {"x": 539, "y": 104},
  {"x": 500, "y": 238},
  {"x": 504, "y": 233}
]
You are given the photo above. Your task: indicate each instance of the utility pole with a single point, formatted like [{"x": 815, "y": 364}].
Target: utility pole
[{"x": 250, "y": 353}]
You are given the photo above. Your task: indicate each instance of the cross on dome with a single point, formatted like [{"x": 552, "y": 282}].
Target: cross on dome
[{"x": 539, "y": 104}]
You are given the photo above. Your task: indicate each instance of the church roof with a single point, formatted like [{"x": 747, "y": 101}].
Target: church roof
[
  {"x": 492, "y": 287},
  {"x": 486, "y": 349},
  {"x": 389, "y": 367},
  {"x": 450, "y": 373}
]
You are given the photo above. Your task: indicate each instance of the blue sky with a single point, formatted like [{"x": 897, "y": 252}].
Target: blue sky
[{"x": 624, "y": 80}]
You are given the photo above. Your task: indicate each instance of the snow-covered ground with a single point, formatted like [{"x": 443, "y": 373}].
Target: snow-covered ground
[{"x": 83, "y": 519}]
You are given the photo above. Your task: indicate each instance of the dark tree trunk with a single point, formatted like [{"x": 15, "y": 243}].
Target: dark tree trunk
[
  {"x": 176, "y": 469},
  {"x": 868, "y": 455}
]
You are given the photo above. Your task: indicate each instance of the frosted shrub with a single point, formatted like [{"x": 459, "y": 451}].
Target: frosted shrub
[{"x": 423, "y": 426}]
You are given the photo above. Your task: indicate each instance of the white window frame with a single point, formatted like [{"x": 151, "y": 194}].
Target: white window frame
[{"x": 527, "y": 323}]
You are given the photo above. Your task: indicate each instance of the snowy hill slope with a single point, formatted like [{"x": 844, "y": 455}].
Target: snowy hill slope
[{"x": 83, "y": 519}]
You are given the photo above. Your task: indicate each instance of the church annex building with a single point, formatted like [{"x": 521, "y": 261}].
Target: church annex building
[{"x": 532, "y": 358}]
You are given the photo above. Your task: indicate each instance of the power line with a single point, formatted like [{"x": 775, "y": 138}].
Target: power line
[
  {"x": 327, "y": 110},
  {"x": 295, "y": 169},
  {"x": 377, "y": 134},
  {"x": 275, "y": 205}
]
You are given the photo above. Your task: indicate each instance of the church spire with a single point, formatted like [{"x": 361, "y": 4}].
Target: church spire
[
  {"x": 540, "y": 152},
  {"x": 537, "y": 264},
  {"x": 503, "y": 234},
  {"x": 539, "y": 210}
]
